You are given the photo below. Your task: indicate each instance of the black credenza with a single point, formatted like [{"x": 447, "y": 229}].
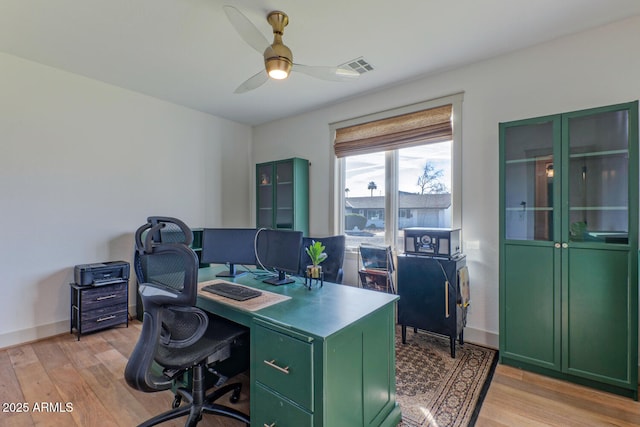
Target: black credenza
[{"x": 429, "y": 290}]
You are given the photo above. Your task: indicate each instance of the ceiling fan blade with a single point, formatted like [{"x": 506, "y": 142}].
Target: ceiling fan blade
[
  {"x": 253, "y": 82},
  {"x": 336, "y": 74},
  {"x": 247, "y": 30}
]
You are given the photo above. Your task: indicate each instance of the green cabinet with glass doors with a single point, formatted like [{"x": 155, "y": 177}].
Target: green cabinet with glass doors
[
  {"x": 282, "y": 195},
  {"x": 569, "y": 246}
]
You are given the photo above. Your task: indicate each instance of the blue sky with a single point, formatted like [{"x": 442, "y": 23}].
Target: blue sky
[{"x": 370, "y": 167}]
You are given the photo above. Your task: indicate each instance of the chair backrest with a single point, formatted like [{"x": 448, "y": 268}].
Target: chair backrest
[
  {"x": 332, "y": 266},
  {"x": 167, "y": 271},
  {"x": 157, "y": 259}
]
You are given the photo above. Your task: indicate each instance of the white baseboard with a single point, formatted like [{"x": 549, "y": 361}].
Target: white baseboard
[
  {"x": 24, "y": 336},
  {"x": 480, "y": 337}
]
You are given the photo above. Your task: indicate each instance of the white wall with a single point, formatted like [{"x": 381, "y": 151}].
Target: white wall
[
  {"x": 595, "y": 68},
  {"x": 82, "y": 164}
]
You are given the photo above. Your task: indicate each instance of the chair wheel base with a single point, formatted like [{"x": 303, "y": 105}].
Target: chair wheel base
[{"x": 176, "y": 402}]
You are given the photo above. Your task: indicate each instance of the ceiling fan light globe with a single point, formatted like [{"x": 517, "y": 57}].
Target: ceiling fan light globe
[
  {"x": 278, "y": 74},
  {"x": 278, "y": 68}
]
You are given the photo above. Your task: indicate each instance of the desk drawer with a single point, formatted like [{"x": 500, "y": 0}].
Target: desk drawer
[
  {"x": 284, "y": 364},
  {"x": 273, "y": 410},
  {"x": 104, "y": 317},
  {"x": 103, "y": 296}
]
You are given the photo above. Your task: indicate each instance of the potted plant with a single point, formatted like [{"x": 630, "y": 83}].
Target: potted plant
[{"x": 317, "y": 255}]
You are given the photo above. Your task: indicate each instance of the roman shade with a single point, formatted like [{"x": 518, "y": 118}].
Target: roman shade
[{"x": 407, "y": 130}]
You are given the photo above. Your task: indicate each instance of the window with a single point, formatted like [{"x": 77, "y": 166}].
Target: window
[
  {"x": 364, "y": 198},
  {"x": 405, "y": 213},
  {"x": 403, "y": 181}
]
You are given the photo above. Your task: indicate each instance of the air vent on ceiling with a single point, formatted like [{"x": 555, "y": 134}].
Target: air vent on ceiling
[{"x": 359, "y": 65}]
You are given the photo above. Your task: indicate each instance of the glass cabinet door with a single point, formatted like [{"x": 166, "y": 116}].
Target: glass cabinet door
[
  {"x": 528, "y": 150},
  {"x": 598, "y": 176},
  {"x": 284, "y": 195},
  {"x": 264, "y": 177}
]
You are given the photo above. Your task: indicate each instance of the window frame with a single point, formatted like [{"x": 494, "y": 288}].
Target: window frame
[{"x": 337, "y": 198}]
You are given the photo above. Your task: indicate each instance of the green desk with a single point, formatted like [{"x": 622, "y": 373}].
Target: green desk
[{"x": 325, "y": 357}]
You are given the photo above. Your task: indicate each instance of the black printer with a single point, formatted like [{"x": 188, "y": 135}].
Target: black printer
[{"x": 102, "y": 273}]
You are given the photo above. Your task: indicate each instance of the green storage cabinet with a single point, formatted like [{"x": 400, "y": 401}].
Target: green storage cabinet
[
  {"x": 282, "y": 195},
  {"x": 569, "y": 246}
]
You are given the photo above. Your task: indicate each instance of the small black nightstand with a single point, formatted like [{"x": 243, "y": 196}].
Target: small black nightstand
[{"x": 99, "y": 307}]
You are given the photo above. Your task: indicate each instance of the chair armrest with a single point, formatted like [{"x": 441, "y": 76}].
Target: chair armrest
[
  {"x": 186, "y": 325},
  {"x": 156, "y": 295}
]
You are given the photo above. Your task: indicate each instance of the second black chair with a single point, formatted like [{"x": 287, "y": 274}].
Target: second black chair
[{"x": 178, "y": 338}]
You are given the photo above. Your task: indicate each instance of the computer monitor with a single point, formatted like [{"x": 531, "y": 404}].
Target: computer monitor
[
  {"x": 279, "y": 250},
  {"x": 230, "y": 246}
]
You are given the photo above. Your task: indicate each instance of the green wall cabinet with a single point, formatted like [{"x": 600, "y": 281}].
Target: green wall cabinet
[
  {"x": 569, "y": 246},
  {"x": 282, "y": 195}
]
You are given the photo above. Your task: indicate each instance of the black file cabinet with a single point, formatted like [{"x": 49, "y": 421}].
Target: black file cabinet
[
  {"x": 429, "y": 290},
  {"x": 99, "y": 307}
]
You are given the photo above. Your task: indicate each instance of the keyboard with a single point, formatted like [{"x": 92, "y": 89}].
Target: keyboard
[{"x": 232, "y": 291}]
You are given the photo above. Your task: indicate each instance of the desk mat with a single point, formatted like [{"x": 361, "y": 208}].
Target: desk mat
[{"x": 265, "y": 300}]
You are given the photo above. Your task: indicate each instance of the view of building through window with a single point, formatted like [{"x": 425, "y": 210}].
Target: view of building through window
[{"x": 424, "y": 192}]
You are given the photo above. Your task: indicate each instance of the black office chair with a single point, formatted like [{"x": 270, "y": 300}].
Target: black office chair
[
  {"x": 332, "y": 266},
  {"x": 176, "y": 336}
]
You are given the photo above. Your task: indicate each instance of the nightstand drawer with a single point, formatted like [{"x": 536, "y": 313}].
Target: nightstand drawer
[
  {"x": 274, "y": 410},
  {"x": 284, "y": 364},
  {"x": 103, "y": 296},
  {"x": 104, "y": 317}
]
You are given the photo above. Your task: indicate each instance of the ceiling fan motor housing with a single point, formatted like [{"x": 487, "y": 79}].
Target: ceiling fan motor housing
[{"x": 278, "y": 58}]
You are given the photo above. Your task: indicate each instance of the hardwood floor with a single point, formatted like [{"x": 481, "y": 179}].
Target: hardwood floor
[
  {"x": 520, "y": 398},
  {"x": 88, "y": 376},
  {"x": 64, "y": 382}
]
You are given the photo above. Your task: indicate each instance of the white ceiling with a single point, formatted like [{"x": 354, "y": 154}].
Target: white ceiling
[{"x": 187, "y": 52}]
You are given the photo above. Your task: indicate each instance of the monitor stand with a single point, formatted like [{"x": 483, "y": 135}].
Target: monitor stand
[
  {"x": 282, "y": 279},
  {"x": 231, "y": 273}
]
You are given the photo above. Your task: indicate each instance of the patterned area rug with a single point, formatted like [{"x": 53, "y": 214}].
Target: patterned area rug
[{"x": 436, "y": 390}]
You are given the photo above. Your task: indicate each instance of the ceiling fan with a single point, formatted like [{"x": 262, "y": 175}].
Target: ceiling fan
[{"x": 278, "y": 59}]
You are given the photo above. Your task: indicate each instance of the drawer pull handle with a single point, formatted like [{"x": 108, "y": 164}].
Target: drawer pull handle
[
  {"x": 102, "y": 319},
  {"x": 106, "y": 297},
  {"x": 273, "y": 365},
  {"x": 270, "y": 425},
  {"x": 446, "y": 299}
]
